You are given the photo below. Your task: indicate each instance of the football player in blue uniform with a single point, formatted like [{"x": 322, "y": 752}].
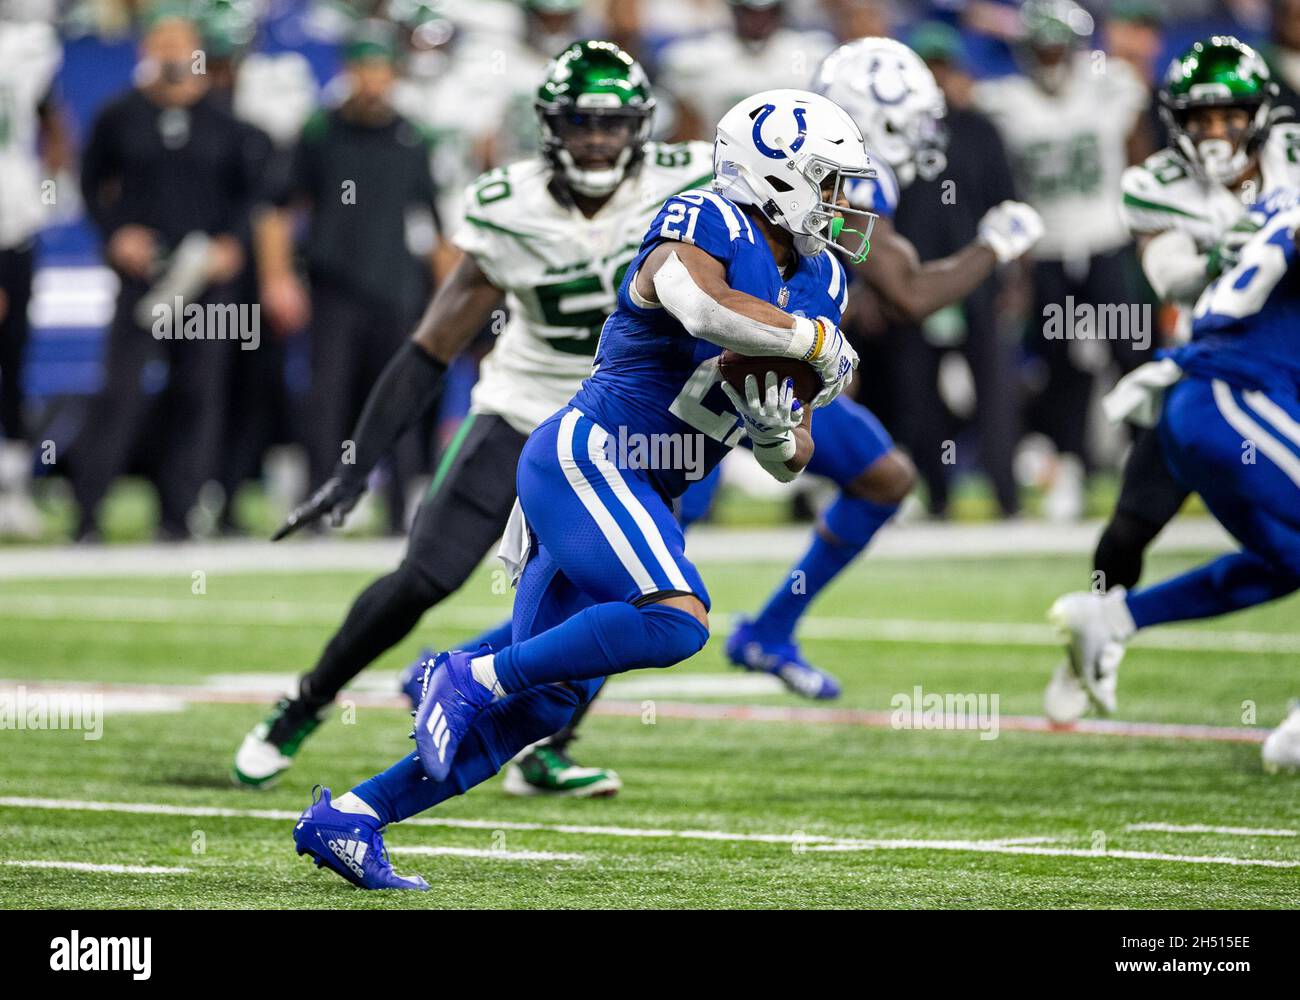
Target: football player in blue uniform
[
  {"x": 604, "y": 584},
  {"x": 1229, "y": 428},
  {"x": 893, "y": 98}
]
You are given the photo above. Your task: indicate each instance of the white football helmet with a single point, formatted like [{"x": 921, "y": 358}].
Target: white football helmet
[
  {"x": 893, "y": 97},
  {"x": 778, "y": 151}
]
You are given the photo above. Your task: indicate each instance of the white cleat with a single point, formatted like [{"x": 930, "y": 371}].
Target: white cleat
[
  {"x": 1064, "y": 701},
  {"x": 257, "y": 762},
  {"x": 1281, "y": 751},
  {"x": 1094, "y": 628}
]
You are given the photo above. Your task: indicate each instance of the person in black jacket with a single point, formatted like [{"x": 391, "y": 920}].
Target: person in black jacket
[
  {"x": 361, "y": 175},
  {"x": 939, "y": 216},
  {"x": 169, "y": 179}
]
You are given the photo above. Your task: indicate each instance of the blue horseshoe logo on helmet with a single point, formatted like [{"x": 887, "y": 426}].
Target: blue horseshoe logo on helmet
[{"x": 779, "y": 154}]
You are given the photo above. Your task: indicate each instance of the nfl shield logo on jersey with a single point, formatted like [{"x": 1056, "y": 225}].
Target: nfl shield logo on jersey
[{"x": 782, "y": 297}]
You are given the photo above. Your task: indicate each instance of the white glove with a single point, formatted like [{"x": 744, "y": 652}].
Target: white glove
[
  {"x": 1010, "y": 229},
  {"x": 770, "y": 421},
  {"x": 834, "y": 359}
]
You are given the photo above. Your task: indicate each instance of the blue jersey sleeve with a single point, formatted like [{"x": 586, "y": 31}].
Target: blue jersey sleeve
[
  {"x": 703, "y": 219},
  {"x": 877, "y": 194}
]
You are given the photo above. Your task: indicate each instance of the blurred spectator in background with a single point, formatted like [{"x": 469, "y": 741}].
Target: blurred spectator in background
[
  {"x": 852, "y": 19},
  {"x": 707, "y": 75},
  {"x": 940, "y": 216},
  {"x": 33, "y": 147},
  {"x": 169, "y": 179},
  {"x": 1283, "y": 51},
  {"x": 1067, "y": 122},
  {"x": 256, "y": 410},
  {"x": 361, "y": 174},
  {"x": 1134, "y": 34}
]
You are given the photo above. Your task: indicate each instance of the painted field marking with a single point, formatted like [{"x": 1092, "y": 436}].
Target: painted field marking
[
  {"x": 707, "y": 712},
  {"x": 812, "y": 842},
  {"x": 1230, "y": 831},
  {"x": 987, "y": 847},
  {"x": 85, "y": 866},
  {"x": 217, "y": 613},
  {"x": 489, "y": 854}
]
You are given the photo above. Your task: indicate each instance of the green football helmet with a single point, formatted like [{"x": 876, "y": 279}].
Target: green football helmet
[
  {"x": 1051, "y": 31},
  {"x": 1220, "y": 72},
  {"x": 594, "y": 93}
]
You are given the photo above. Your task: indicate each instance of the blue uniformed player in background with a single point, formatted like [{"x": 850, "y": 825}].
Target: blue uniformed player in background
[{"x": 1230, "y": 431}]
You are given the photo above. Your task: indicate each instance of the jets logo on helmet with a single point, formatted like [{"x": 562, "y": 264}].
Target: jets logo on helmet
[
  {"x": 594, "y": 109},
  {"x": 789, "y": 153},
  {"x": 1220, "y": 72},
  {"x": 894, "y": 99}
]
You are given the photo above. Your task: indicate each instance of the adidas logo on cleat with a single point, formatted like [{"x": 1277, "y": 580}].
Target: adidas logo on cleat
[
  {"x": 351, "y": 853},
  {"x": 437, "y": 727}
]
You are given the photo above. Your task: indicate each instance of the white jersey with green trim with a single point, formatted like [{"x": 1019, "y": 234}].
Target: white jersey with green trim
[
  {"x": 1069, "y": 149},
  {"x": 560, "y": 271},
  {"x": 30, "y": 56},
  {"x": 1165, "y": 192}
]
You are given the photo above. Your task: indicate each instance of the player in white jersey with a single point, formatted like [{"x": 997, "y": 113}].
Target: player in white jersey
[
  {"x": 30, "y": 54},
  {"x": 1067, "y": 122},
  {"x": 759, "y": 53},
  {"x": 550, "y": 237},
  {"x": 1187, "y": 208}
]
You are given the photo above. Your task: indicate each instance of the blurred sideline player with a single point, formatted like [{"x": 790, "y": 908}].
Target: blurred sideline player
[
  {"x": 1184, "y": 206},
  {"x": 708, "y": 74},
  {"x": 1068, "y": 124},
  {"x": 604, "y": 585},
  {"x": 1229, "y": 430},
  {"x": 550, "y": 237},
  {"x": 33, "y": 147},
  {"x": 894, "y": 100}
]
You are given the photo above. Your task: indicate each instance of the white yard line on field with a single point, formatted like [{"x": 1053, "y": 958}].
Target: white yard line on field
[
  {"x": 488, "y": 853},
  {"x": 85, "y": 866},
  {"x": 799, "y": 841},
  {"x": 698, "y": 711},
  {"x": 1228, "y": 831},
  {"x": 216, "y": 612},
  {"x": 988, "y": 847},
  {"x": 705, "y": 544}
]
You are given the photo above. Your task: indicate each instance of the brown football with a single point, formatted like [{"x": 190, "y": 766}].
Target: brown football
[{"x": 734, "y": 367}]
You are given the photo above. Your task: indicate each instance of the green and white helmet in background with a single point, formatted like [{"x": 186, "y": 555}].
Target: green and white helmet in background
[
  {"x": 590, "y": 85},
  {"x": 1220, "y": 72}
]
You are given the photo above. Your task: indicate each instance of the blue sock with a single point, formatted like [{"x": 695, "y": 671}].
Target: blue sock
[
  {"x": 503, "y": 729},
  {"x": 1229, "y": 583},
  {"x": 498, "y": 637},
  {"x": 602, "y": 639},
  {"x": 852, "y": 521}
]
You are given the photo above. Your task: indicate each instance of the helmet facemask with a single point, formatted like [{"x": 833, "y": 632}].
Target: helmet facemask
[
  {"x": 614, "y": 134},
  {"x": 804, "y": 179},
  {"x": 1220, "y": 159}
]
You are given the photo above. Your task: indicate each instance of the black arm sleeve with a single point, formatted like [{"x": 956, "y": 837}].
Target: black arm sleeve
[
  {"x": 100, "y": 167},
  {"x": 405, "y": 392}
]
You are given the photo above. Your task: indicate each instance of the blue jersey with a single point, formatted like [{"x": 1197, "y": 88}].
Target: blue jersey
[
  {"x": 1246, "y": 325},
  {"x": 651, "y": 377},
  {"x": 877, "y": 194}
]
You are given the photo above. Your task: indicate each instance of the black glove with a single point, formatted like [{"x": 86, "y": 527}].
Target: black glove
[
  {"x": 336, "y": 498},
  {"x": 405, "y": 392}
]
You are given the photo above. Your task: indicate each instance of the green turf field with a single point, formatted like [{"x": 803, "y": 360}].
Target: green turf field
[{"x": 715, "y": 812}]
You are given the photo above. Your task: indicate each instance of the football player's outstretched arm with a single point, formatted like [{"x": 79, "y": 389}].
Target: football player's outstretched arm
[
  {"x": 914, "y": 290},
  {"x": 405, "y": 391}
]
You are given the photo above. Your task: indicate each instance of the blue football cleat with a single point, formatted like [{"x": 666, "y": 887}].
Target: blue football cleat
[
  {"x": 746, "y": 650},
  {"x": 452, "y": 700},
  {"x": 350, "y": 844},
  {"x": 412, "y": 680}
]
